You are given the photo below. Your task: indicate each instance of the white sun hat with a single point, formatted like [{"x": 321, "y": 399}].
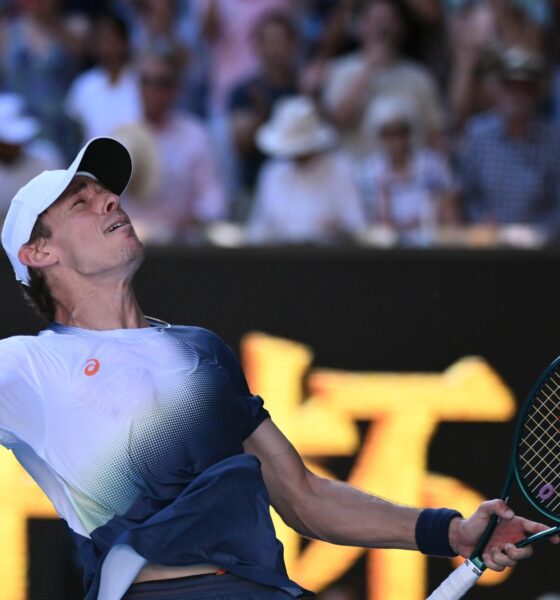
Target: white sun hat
[
  {"x": 295, "y": 129},
  {"x": 15, "y": 127},
  {"x": 106, "y": 159},
  {"x": 387, "y": 109}
]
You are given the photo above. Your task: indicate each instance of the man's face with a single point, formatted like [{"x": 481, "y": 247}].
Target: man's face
[
  {"x": 381, "y": 23},
  {"x": 277, "y": 46},
  {"x": 158, "y": 88},
  {"x": 90, "y": 234},
  {"x": 519, "y": 99},
  {"x": 110, "y": 47}
]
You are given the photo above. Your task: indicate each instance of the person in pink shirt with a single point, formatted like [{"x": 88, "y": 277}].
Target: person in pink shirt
[{"x": 188, "y": 193}]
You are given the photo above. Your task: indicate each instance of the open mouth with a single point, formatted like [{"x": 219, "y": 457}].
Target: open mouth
[{"x": 116, "y": 226}]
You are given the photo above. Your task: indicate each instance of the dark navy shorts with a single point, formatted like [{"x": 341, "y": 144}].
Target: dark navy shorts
[{"x": 217, "y": 587}]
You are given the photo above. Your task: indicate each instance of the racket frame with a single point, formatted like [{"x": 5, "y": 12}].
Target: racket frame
[
  {"x": 513, "y": 472},
  {"x": 515, "y": 462}
]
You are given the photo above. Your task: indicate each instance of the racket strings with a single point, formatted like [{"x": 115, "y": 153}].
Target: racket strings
[{"x": 539, "y": 446}]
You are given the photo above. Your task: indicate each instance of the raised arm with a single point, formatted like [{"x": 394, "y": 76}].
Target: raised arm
[{"x": 336, "y": 512}]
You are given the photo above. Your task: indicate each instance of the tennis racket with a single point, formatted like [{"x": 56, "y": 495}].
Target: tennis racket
[{"x": 535, "y": 465}]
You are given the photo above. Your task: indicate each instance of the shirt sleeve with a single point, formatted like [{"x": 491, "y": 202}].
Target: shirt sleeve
[
  {"x": 21, "y": 407},
  {"x": 252, "y": 412}
]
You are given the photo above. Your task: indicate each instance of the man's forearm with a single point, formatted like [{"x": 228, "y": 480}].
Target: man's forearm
[{"x": 341, "y": 514}]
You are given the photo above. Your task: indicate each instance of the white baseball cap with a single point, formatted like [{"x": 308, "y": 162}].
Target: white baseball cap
[{"x": 102, "y": 158}]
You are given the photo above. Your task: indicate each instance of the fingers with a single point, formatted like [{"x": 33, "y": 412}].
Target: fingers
[
  {"x": 498, "y": 560},
  {"x": 533, "y": 526},
  {"x": 497, "y": 507}
]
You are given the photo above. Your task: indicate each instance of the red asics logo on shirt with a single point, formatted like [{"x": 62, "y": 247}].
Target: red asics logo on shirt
[{"x": 92, "y": 367}]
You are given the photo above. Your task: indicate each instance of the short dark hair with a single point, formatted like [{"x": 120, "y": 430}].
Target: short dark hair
[
  {"x": 37, "y": 293},
  {"x": 167, "y": 58},
  {"x": 277, "y": 17},
  {"x": 114, "y": 20}
]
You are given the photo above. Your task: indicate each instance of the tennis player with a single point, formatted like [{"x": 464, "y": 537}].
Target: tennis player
[{"x": 145, "y": 436}]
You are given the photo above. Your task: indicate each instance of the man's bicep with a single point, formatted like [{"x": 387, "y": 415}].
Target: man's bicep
[
  {"x": 266, "y": 441},
  {"x": 286, "y": 477}
]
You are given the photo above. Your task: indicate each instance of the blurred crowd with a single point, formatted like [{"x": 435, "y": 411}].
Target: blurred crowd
[{"x": 379, "y": 122}]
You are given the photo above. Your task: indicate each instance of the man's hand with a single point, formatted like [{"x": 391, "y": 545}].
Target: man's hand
[{"x": 500, "y": 552}]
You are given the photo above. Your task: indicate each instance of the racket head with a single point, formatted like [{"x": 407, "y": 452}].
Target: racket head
[{"x": 536, "y": 451}]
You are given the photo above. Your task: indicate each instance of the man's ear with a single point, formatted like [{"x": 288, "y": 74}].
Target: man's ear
[{"x": 36, "y": 255}]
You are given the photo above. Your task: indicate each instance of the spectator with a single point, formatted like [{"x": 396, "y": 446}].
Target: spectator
[
  {"x": 159, "y": 30},
  {"x": 39, "y": 61},
  {"x": 188, "y": 193},
  {"x": 327, "y": 31},
  {"x": 378, "y": 68},
  {"x": 112, "y": 84},
  {"x": 478, "y": 32},
  {"x": 409, "y": 187},
  {"x": 227, "y": 28},
  {"x": 18, "y": 159},
  {"x": 306, "y": 193},
  {"x": 510, "y": 156},
  {"x": 251, "y": 102},
  {"x": 172, "y": 27}
]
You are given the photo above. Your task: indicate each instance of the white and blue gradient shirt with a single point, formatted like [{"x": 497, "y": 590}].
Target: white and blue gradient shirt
[{"x": 136, "y": 437}]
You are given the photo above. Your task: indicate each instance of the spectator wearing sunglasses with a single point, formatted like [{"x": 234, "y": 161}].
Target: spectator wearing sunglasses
[
  {"x": 406, "y": 186},
  {"x": 188, "y": 193}
]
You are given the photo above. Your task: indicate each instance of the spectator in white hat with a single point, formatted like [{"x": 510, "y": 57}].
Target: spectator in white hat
[
  {"x": 20, "y": 158},
  {"x": 306, "y": 193},
  {"x": 406, "y": 186}
]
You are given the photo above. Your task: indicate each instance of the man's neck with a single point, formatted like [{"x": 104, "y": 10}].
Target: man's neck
[
  {"x": 100, "y": 307},
  {"x": 160, "y": 120},
  {"x": 114, "y": 71}
]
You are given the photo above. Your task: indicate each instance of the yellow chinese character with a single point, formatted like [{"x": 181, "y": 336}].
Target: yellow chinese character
[{"x": 404, "y": 411}]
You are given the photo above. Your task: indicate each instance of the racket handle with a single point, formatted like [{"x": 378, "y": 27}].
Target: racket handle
[{"x": 458, "y": 583}]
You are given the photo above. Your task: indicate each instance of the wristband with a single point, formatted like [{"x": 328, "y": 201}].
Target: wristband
[{"x": 432, "y": 531}]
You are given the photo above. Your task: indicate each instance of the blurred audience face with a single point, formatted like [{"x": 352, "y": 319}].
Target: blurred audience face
[
  {"x": 111, "y": 42},
  {"x": 519, "y": 99},
  {"x": 160, "y": 15},
  {"x": 276, "y": 44},
  {"x": 158, "y": 81},
  {"x": 40, "y": 8},
  {"x": 395, "y": 139},
  {"x": 9, "y": 153},
  {"x": 381, "y": 23}
]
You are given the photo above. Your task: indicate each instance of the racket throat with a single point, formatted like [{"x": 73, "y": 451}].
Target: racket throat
[{"x": 476, "y": 564}]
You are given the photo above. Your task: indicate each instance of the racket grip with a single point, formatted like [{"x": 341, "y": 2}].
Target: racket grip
[{"x": 458, "y": 583}]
